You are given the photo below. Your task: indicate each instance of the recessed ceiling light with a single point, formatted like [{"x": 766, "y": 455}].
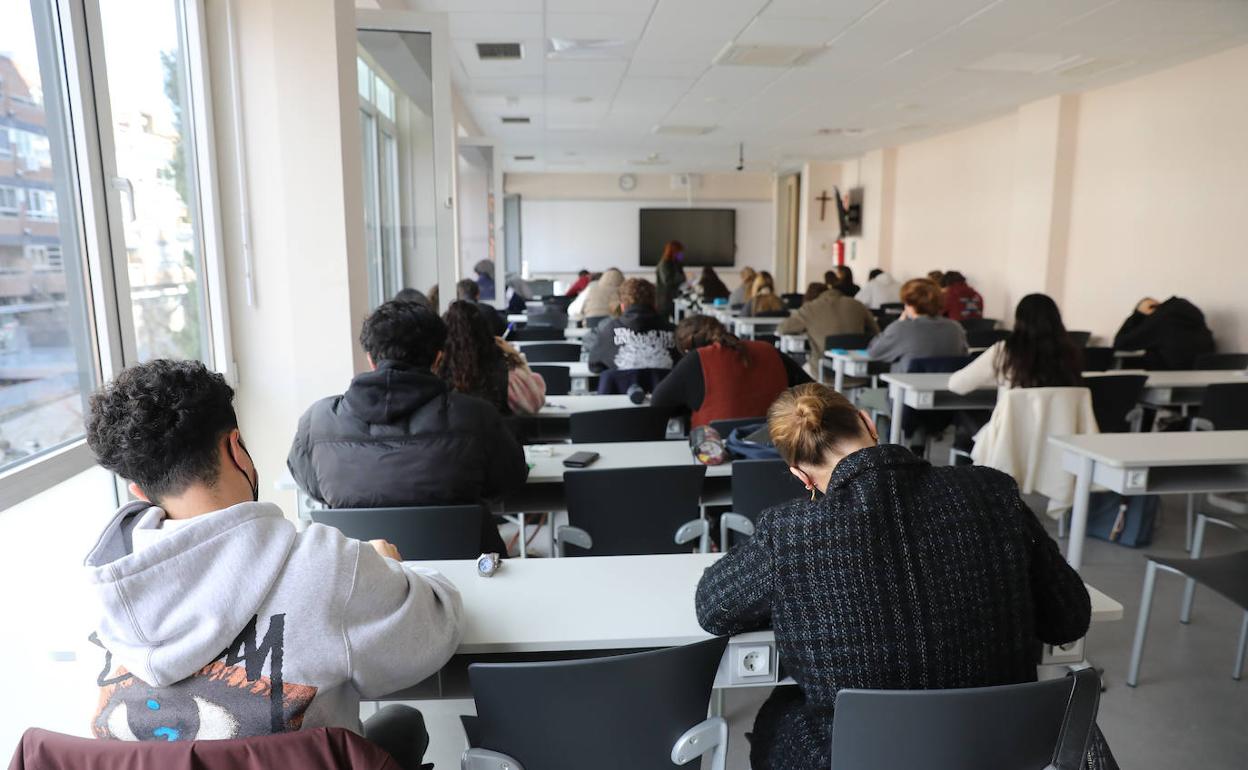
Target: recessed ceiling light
[
  {"x": 565, "y": 48},
  {"x": 582, "y": 99},
  {"x": 840, "y": 132},
  {"x": 678, "y": 130},
  {"x": 766, "y": 55},
  {"x": 500, "y": 51},
  {"x": 1026, "y": 63}
]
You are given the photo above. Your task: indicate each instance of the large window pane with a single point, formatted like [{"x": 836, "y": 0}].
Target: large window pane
[
  {"x": 46, "y": 363},
  {"x": 148, "y": 95}
]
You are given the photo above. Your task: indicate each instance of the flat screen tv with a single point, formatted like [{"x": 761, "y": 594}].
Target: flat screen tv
[{"x": 709, "y": 235}]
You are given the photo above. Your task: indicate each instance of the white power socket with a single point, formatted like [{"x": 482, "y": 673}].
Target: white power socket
[{"x": 753, "y": 661}]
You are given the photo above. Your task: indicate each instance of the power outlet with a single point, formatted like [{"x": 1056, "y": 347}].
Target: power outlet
[{"x": 753, "y": 661}]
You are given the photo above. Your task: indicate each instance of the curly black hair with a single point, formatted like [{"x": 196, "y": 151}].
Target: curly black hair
[
  {"x": 159, "y": 425},
  {"x": 404, "y": 332},
  {"x": 473, "y": 360}
]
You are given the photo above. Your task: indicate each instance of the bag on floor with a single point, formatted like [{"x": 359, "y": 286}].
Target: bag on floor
[
  {"x": 752, "y": 442},
  {"x": 1123, "y": 520}
]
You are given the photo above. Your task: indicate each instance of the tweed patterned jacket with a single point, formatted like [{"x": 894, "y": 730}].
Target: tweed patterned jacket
[{"x": 903, "y": 576}]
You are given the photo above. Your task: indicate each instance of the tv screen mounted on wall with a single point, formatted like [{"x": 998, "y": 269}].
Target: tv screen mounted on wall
[{"x": 709, "y": 235}]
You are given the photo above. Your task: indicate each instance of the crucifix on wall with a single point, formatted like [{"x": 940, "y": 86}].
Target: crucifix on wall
[{"x": 823, "y": 204}]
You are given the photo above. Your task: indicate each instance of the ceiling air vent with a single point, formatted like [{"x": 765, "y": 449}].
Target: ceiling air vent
[
  {"x": 515, "y": 120},
  {"x": 524, "y": 157},
  {"x": 500, "y": 51},
  {"x": 739, "y": 55},
  {"x": 677, "y": 130}
]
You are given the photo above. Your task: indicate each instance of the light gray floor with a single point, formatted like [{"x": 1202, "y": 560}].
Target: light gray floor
[{"x": 1186, "y": 713}]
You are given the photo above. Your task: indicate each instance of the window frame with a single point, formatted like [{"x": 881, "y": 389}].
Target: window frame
[{"x": 101, "y": 262}]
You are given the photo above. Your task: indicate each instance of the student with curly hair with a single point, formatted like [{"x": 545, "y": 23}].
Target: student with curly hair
[
  {"x": 476, "y": 363},
  {"x": 207, "y": 597}
]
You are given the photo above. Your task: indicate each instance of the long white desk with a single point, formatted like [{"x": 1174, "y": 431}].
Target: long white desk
[
  {"x": 565, "y": 406},
  {"x": 612, "y": 603},
  {"x": 748, "y": 327},
  {"x": 549, "y": 469},
  {"x": 931, "y": 391},
  {"x": 851, "y": 363},
  {"x": 1150, "y": 463}
]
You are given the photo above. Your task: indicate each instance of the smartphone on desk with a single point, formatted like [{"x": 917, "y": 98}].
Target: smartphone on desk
[{"x": 580, "y": 459}]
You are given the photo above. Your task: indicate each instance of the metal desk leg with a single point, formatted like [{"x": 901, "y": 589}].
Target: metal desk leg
[
  {"x": 520, "y": 524},
  {"x": 1141, "y": 625},
  {"x": 1079, "y": 514},
  {"x": 839, "y": 382},
  {"x": 894, "y": 428}
]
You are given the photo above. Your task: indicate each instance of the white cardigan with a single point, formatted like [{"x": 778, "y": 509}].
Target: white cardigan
[{"x": 980, "y": 374}]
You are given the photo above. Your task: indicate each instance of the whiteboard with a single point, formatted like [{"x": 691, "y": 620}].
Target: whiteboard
[{"x": 559, "y": 236}]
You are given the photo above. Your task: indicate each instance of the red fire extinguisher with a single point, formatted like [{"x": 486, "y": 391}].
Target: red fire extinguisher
[{"x": 840, "y": 251}]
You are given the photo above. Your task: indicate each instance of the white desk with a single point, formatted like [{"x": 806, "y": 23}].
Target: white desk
[
  {"x": 1150, "y": 463},
  {"x": 575, "y": 332},
  {"x": 565, "y": 406},
  {"x": 522, "y": 344},
  {"x": 793, "y": 343},
  {"x": 607, "y": 603},
  {"x": 747, "y": 327},
  {"x": 851, "y": 363},
  {"x": 549, "y": 469},
  {"x": 931, "y": 391}
]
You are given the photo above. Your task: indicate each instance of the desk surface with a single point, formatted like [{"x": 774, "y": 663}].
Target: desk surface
[
  {"x": 1197, "y": 378},
  {"x": 566, "y": 406},
  {"x": 549, "y": 469},
  {"x": 597, "y": 602},
  {"x": 1122, "y": 450},
  {"x": 760, "y": 320},
  {"x": 847, "y": 355}
]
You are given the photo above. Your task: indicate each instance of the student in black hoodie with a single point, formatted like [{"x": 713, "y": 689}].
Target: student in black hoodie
[
  {"x": 399, "y": 436},
  {"x": 1172, "y": 333},
  {"x": 640, "y": 338}
]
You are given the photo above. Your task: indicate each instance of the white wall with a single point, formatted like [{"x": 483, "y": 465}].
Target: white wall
[{"x": 574, "y": 221}]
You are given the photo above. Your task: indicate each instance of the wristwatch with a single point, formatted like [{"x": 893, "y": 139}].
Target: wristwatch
[{"x": 488, "y": 564}]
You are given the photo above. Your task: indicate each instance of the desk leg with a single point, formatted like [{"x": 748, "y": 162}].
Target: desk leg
[
  {"x": 717, "y": 702},
  {"x": 1079, "y": 515},
  {"x": 520, "y": 523},
  {"x": 894, "y": 425},
  {"x": 839, "y": 382}
]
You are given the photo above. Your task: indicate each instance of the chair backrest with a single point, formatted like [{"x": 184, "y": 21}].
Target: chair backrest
[
  {"x": 1221, "y": 361},
  {"x": 632, "y": 423},
  {"x": 937, "y": 364},
  {"x": 574, "y": 714},
  {"x": 1113, "y": 396},
  {"x": 541, "y": 287},
  {"x": 846, "y": 341},
  {"x": 321, "y": 748},
  {"x": 630, "y": 511},
  {"x": 421, "y": 533},
  {"x": 892, "y": 308},
  {"x": 761, "y": 484},
  {"x": 978, "y": 324},
  {"x": 1079, "y": 339},
  {"x": 547, "y": 352},
  {"x": 548, "y": 318},
  {"x": 985, "y": 338},
  {"x": 792, "y": 301},
  {"x": 536, "y": 335},
  {"x": 558, "y": 379},
  {"x": 1097, "y": 359},
  {"x": 615, "y": 382},
  {"x": 1226, "y": 406},
  {"x": 558, "y": 302},
  {"x": 1030, "y": 726}
]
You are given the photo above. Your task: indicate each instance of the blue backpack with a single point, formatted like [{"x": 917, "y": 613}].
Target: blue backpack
[
  {"x": 744, "y": 444},
  {"x": 1123, "y": 520}
]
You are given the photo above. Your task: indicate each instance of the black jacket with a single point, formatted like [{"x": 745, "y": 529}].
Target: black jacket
[
  {"x": 638, "y": 339},
  {"x": 1172, "y": 336},
  {"x": 904, "y": 576},
  {"x": 397, "y": 437}
]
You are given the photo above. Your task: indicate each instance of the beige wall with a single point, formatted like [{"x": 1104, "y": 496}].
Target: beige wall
[{"x": 1097, "y": 199}]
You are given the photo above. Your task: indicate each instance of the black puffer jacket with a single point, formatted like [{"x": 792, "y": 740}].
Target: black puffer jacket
[
  {"x": 1172, "y": 336},
  {"x": 397, "y": 437}
]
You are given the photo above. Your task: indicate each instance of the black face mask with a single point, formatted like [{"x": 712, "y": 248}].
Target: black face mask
[{"x": 253, "y": 483}]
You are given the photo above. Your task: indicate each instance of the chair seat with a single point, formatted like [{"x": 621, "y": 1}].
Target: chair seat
[{"x": 1227, "y": 575}]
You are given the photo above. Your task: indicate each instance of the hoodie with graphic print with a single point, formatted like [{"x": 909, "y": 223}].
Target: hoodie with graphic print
[{"x": 639, "y": 339}]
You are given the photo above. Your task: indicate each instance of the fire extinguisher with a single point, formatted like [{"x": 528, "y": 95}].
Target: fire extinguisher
[{"x": 840, "y": 251}]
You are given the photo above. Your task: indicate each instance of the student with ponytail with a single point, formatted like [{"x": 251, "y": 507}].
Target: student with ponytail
[
  {"x": 720, "y": 377},
  {"x": 894, "y": 575}
]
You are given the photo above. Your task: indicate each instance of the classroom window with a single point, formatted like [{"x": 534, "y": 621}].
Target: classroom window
[
  {"x": 9, "y": 196},
  {"x": 41, "y": 204}
]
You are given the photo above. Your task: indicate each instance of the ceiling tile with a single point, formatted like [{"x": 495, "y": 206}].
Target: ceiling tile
[
  {"x": 495, "y": 27},
  {"x": 595, "y": 26},
  {"x": 721, "y": 19},
  {"x": 668, "y": 68},
  {"x": 769, "y": 31},
  {"x": 642, "y": 7},
  {"x": 597, "y": 69},
  {"x": 841, "y": 10}
]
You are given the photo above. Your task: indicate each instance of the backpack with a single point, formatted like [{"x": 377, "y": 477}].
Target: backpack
[
  {"x": 1123, "y": 520},
  {"x": 751, "y": 442}
]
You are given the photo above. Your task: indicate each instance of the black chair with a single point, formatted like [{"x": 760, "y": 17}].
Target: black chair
[
  {"x": 1012, "y": 727},
  {"x": 559, "y": 303},
  {"x": 792, "y": 301},
  {"x": 1227, "y": 575},
  {"x": 552, "y": 352},
  {"x": 634, "y": 423},
  {"x": 1080, "y": 339},
  {"x": 629, "y": 511},
  {"x": 536, "y": 335},
  {"x": 1115, "y": 401},
  {"x": 617, "y": 381},
  {"x": 1098, "y": 359},
  {"x": 558, "y": 379},
  {"x": 892, "y": 308},
  {"x": 978, "y": 324},
  {"x": 985, "y": 338},
  {"x": 641, "y": 710},
  {"x": 756, "y": 486},
  {"x": 420, "y": 533},
  {"x": 548, "y": 318},
  {"x": 1222, "y": 361},
  {"x": 1224, "y": 406}
]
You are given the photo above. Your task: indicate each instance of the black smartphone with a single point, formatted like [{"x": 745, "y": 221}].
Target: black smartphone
[{"x": 580, "y": 459}]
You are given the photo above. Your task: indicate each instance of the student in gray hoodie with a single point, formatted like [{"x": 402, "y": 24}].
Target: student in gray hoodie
[{"x": 217, "y": 619}]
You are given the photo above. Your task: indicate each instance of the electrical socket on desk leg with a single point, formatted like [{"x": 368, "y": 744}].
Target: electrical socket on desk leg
[{"x": 754, "y": 661}]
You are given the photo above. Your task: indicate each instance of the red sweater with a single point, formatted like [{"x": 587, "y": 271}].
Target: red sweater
[
  {"x": 736, "y": 390},
  {"x": 962, "y": 302}
]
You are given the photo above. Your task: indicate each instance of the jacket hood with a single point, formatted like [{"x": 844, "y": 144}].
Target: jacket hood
[
  {"x": 164, "y": 614},
  {"x": 392, "y": 392},
  {"x": 1181, "y": 310}
]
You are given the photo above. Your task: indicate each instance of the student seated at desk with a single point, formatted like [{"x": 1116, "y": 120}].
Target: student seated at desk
[
  {"x": 921, "y": 332},
  {"x": 829, "y": 313},
  {"x": 744, "y": 292},
  {"x": 467, "y": 290},
  {"x": 710, "y": 287},
  {"x": 1037, "y": 354},
  {"x": 763, "y": 298},
  {"x": 721, "y": 377},
  {"x": 582, "y": 280},
  {"x": 1172, "y": 333},
  {"x": 476, "y": 363},
  {"x": 399, "y": 436},
  {"x": 880, "y": 288},
  {"x": 899, "y": 576},
  {"x": 640, "y": 338},
  {"x": 596, "y": 302},
  {"x": 841, "y": 278},
  {"x": 961, "y": 301},
  {"x": 217, "y": 618}
]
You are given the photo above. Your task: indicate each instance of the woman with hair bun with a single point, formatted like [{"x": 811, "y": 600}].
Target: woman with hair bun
[{"x": 893, "y": 575}]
